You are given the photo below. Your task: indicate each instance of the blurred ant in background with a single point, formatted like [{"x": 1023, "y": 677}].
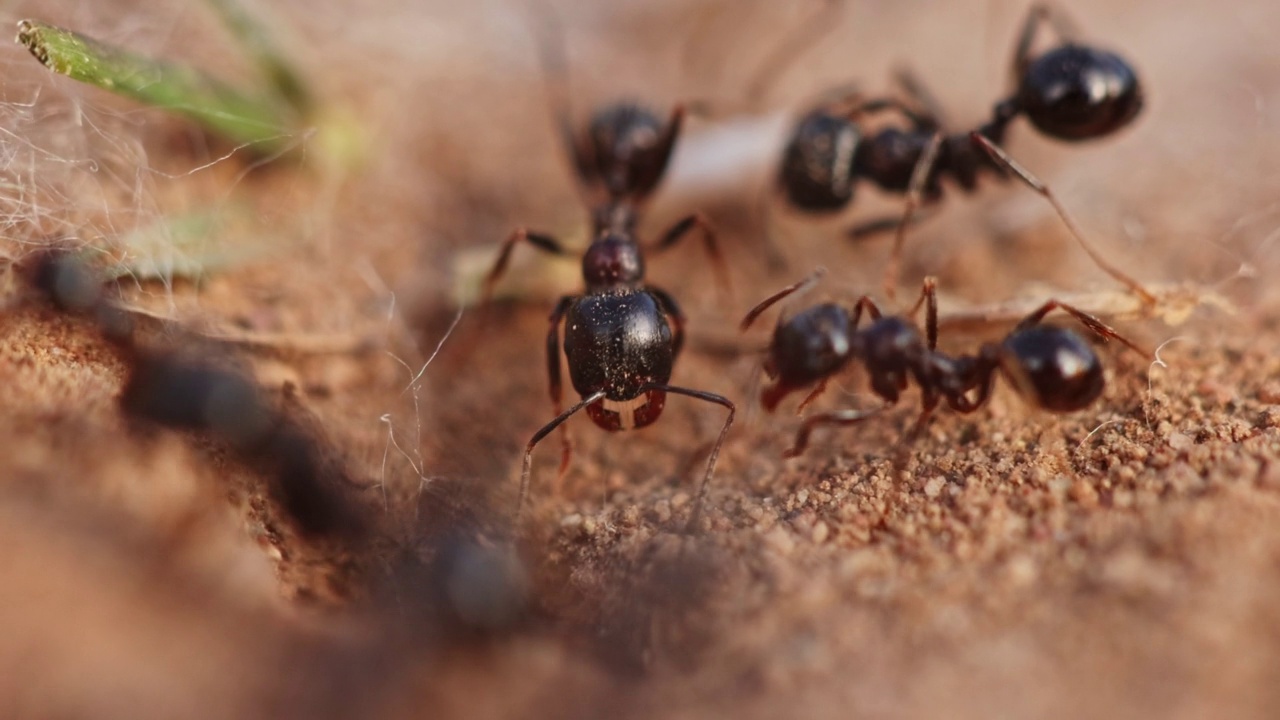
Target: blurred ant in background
[
  {"x": 622, "y": 336},
  {"x": 1052, "y": 367},
  {"x": 1071, "y": 92}
]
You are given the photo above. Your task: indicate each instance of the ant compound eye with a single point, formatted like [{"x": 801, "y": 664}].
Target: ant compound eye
[
  {"x": 1053, "y": 367},
  {"x": 817, "y": 165},
  {"x": 1079, "y": 93},
  {"x": 812, "y": 345}
]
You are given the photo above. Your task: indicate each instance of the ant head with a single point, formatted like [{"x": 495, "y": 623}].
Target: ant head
[
  {"x": 811, "y": 345},
  {"x": 630, "y": 155},
  {"x": 613, "y": 259},
  {"x": 1052, "y": 367},
  {"x": 66, "y": 280},
  {"x": 1079, "y": 93},
  {"x": 817, "y": 165}
]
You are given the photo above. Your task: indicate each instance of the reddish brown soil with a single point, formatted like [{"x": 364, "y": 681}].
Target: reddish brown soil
[{"x": 1118, "y": 562}]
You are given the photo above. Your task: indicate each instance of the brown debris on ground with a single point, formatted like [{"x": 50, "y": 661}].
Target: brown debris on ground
[{"x": 1118, "y": 562}]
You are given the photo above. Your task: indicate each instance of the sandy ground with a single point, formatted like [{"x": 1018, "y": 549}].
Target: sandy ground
[{"x": 1118, "y": 562}]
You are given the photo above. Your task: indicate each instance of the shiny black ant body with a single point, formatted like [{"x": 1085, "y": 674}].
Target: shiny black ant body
[
  {"x": 1052, "y": 367},
  {"x": 1072, "y": 92},
  {"x": 621, "y": 335}
]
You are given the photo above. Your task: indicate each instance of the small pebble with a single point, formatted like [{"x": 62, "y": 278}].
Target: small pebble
[
  {"x": 821, "y": 531},
  {"x": 933, "y": 488}
]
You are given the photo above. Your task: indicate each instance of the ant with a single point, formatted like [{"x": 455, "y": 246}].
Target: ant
[
  {"x": 182, "y": 391},
  {"x": 621, "y": 335},
  {"x": 1071, "y": 92},
  {"x": 1052, "y": 367}
]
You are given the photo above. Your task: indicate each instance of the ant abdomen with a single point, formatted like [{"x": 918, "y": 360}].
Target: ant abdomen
[
  {"x": 1053, "y": 367},
  {"x": 817, "y": 172},
  {"x": 1079, "y": 93}
]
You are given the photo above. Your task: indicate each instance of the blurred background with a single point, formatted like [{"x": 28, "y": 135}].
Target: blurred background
[{"x": 146, "y": 578}]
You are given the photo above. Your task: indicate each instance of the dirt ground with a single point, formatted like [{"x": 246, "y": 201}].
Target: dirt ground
[{"x": 1117, "y": 562}]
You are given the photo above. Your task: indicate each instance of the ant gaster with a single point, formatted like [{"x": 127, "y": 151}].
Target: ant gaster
[
  {"x": 1052, "y": 367},
  {"x": 621, "y": 335},
  {"x": 1072, "y": 92}
]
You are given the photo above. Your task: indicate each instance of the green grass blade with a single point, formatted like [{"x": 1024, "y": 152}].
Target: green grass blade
[
  {"x": 257, "y": 42},
  {"x": 266, "y": 126}
]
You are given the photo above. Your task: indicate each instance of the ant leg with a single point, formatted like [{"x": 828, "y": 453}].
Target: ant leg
[
  {"x": 839, "y": 99},
  {"x": 868, "y": 305},
  {"x": 547, "y": 429},
  {"x": 781, "y": 58},
  {"x": 682, "y": 228},
  {"x": 1002, "y": 158},
  {"x": 928, "y": 403},
  {"x": 1037, "y": 15},
  {"x": 664, "y": 147},
  {"x": 672, "y": 308},
  {"x": 813, "y": 395},
  {"x": 1103, "y": 330},
  {"x": 920, "y": 95},
  {"x": 838, "y": 417},
  {"x": 881, "y": 225},
  {"x": 929, "y": 299},
  {"x": 553, "y": 378},
  {"x": 770, "y": 249},
  {"x": 543, "y": 242},
  {"x": 961, "y": 403},
  {"x": 555, "y": 71},
  {"x": 918, "y": 120},
  {"x": 915, "y": 193},
  {"x": 803, "y": 286},
  {"x": 715, "y": 449}
]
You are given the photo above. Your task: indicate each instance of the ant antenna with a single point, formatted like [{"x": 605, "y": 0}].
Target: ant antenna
[
  {"x": 1002, "y": 158},
  {"x": 915, "y": 193},
  {"x": 548, "y": 33},
  {"x": 783, "y": 56},
  {"x": 803, "y": 286},
  {"x": 1040, "y": 14}
]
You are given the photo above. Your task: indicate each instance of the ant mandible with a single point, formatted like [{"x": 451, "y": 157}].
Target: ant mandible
[
  {"x": 1052, "y": 367},
  {"x": 622, "y": 335},
  {"x": 1072, "y": 92}
]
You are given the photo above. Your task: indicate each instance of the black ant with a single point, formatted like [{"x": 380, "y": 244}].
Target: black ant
[
  {"x": 1052, "y": 367},
  {"x": 622, "y": 336},
  {"x": 183, "y": 391},
  {"x": 1071, "y": 92}
]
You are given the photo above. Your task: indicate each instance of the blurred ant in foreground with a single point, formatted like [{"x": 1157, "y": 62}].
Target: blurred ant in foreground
[
  {"x": 1072, "y": 92},
  {"x": 190, "y": 391},
  {"x": 621, "y": 336},
  {"x": 1052, "y": 367}
]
